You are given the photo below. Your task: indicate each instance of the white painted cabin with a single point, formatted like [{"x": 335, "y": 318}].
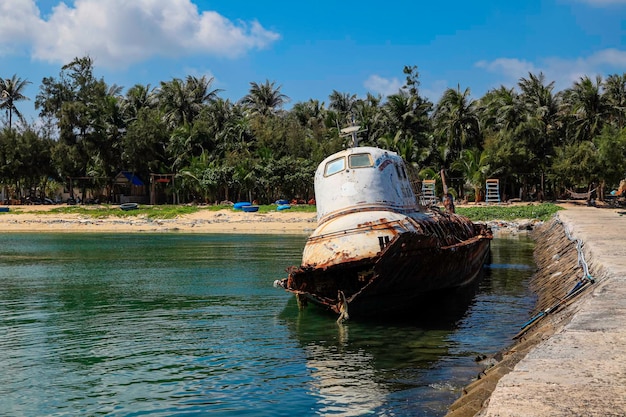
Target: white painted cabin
[
  {"x": 362, "y": 178},
  {"x": 364, "y": 200}
]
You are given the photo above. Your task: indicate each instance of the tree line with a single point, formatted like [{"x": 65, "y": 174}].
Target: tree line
[{"x": 538, "y": 142}]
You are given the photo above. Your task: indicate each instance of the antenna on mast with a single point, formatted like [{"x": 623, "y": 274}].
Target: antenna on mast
[{"x": 352, "y": 131}]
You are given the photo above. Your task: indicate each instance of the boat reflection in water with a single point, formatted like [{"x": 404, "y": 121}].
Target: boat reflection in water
[
  {"x": 345, "y": 380},
  {"x": 377, "y": 367}
]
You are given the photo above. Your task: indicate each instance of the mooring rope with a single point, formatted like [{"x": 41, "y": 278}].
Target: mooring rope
[
  {"x": 343, "y": 309},
  {"x": 581, "y": 255},
  {"x": 578, "y": 288}
]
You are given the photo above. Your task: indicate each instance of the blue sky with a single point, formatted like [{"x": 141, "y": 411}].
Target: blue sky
[{"x": 313, "y": 48}]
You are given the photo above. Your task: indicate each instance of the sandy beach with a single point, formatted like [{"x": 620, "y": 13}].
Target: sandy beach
[
  {"x": 41, "y": 218},
  {"x": 34, "y": 219}
]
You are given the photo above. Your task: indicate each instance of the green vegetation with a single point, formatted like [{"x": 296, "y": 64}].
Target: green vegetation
[
  {"x": 154, "y": 212},
  {"x": 105, "y": 210},
  {"x": 479, "y": 213},
  {"x": 539, "y": 142},
  {"x": 300, "y": 208},
  {"x": 508, "y": 213}
]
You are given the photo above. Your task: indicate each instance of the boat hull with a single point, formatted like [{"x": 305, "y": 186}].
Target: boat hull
[
  {"x": 409, "y": 275},
  {"x": 129, "y": 206},
  {"x": 435, "y": 255}
]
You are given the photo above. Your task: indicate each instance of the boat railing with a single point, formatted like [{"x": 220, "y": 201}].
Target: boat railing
[
  {"x": 399, "y": 225},
  {"x": 384, "y": 206}
]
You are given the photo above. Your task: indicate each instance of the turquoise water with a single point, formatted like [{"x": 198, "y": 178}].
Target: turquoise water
[{"x": 186, "y": 325}]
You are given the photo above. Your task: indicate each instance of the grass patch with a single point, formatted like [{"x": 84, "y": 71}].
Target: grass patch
[
  {"x": 542, "y": 211},
  {"x": 304, "y": 208},
  {"x": 270, "y": 208},
  {"x": 105, "y": 210},
  {"x": 153, "y": 212},
  {"x": 479, "y": 213}
]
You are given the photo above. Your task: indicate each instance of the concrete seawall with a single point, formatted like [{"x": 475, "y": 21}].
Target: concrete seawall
[{"x": 571, "y": 358}]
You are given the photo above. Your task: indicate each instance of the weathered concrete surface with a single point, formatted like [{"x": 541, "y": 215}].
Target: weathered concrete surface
[{"x": 581, "y": 369}]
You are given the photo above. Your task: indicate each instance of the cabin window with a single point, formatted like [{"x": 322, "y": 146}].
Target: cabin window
[
  {"x": 401, "y": 172},
  {"x": 361, "y": 160},
  {"x": 398, "y": 170},
  {"x": 335, "y": 166}
]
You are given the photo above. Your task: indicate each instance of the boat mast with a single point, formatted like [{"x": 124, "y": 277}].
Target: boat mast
[{"x": 352, "y": 131}]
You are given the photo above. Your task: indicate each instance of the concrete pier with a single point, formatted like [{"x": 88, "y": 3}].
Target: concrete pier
[
  {"x": 573, "y": 361},
  {"x": 581, "y": 369}
]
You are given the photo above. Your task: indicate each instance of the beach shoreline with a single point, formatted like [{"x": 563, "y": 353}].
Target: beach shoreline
[{"x": 40, "y": 219}]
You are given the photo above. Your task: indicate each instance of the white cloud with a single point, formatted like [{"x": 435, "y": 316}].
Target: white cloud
[
  {"x": 388, "y": 86},
  {"x": 560, "y": 70},
  {"x": 510, "y": 67},
  {"x": 609, "y": 57},
  {"x": 117, "y": 33},
  {"x": 19, "y": 19},
  {"x": 383, "y": 86}
]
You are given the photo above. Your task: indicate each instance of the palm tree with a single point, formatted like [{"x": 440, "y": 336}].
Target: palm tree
[
  {"x": 194, "y": 177},
  {"x": 615, "y": 96},
  {"x": 137, "y": 97},
  {"x": 343, "y": 105},
  {"x": 585, "y": 103},
  {"x": 500, "y": 110},
  {"x": 400, "y": 116},
  {"x": 473, "y": 164},
  {"x": 404, "y": 127},
  {"x": 309, "y": 114},
  {"x": 231, "y": 126},
  {"x": 264, "y": 99},
  {"x": 181, "y": 146},
  {"x": 200, "y": 92},
  {"x": 539, "y": 129},
  {"x": 341, "y": 102},
  {"x": 369, "y": 115},
  {"x": 182, "y": 101},
  {"x": 11, "y": 92},
  {"x": 540, "y": 104},
  {"x": 456, "y": 120}
]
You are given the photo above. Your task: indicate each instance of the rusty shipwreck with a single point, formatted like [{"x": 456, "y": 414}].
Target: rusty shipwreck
[{"x": 376, "y": 249}]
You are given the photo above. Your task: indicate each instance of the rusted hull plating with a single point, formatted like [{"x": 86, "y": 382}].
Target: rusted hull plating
[{"x": 446, "y": 251}]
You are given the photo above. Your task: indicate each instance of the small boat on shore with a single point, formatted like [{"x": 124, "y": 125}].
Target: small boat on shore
[
  {"x": 240, "y": 205},
  {"x": 129, "y": 206},
  {"x": 375, "y": 249}
]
